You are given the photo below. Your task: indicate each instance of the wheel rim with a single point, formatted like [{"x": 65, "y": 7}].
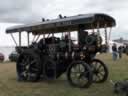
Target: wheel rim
[
  {"x": 28, "y": 67},
  {"x": 99, "y": 71},
  {"x": 80, "y": 75}
]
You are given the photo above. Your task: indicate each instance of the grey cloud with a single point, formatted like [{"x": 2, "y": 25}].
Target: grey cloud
[
  {"x": 27, "y": 11},
  {"x": 21, "y": 11},
  {"x": 12, "y": 10}
]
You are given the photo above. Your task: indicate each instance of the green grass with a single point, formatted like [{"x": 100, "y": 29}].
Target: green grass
[{"x": 9, "y": 86}]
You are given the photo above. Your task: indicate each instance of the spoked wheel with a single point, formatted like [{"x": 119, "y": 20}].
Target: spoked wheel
[
  {"x": 28, "y": 66},
  {"x": 79, "y": 74},
  {"x": 100, "y": 71}
]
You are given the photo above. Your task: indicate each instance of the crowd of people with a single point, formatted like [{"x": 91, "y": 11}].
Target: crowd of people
[{"x": 118, "y": 51}]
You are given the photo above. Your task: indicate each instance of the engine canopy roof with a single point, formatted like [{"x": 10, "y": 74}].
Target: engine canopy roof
[{"x": 66, "y": 24}]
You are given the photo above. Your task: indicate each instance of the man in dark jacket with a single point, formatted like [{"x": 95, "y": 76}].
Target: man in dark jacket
[
  {"x": 120, "y": 50},
  {"x": 114, "y": 51}
]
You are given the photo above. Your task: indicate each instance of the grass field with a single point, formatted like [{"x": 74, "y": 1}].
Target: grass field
[{"x": 9, "y": 86}]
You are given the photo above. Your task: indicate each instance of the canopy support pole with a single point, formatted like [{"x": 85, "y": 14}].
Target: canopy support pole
[
  {"x": 37, "y": 38},
  {"x": 43, "y": 38},
  {"x": 19, "y": 39},
  {"x": 98, "y": 35},
  {"x": 69, "y": 38},
  {"x": 48, "y": 35},
  {"x": 110, "y": 33},
  {"x": 14, "y": 39},
  {"x": 53, "y": 38},
  {"x": 33, "y": 38},
  {"x": 106, "y": 36},
  {"x": 28, "y": 37}
]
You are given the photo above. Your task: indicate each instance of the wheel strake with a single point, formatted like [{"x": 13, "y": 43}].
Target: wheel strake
[
  {"x": 79, "y": 74},
  {"x": 100, "y": 71}
]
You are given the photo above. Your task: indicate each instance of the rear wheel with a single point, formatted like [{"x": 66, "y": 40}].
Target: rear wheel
[
  {"x": 79, "y": 74},
  {"x": 100, "y": 71},
  {"x": 28, "y": 66}
]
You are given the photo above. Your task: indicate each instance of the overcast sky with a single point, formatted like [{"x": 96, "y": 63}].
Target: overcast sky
[{"x": 27, "y": 11}]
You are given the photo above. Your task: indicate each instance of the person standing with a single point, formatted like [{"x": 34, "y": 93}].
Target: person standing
[
  {"x": 114, "y": 52},
  {"x": 126, "y": 50},
  {"x": 120, "y": 49}
]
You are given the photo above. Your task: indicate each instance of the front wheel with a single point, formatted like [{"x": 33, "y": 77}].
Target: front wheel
[
  {"x": 100, "y": 71},
  {"x": 79, "y": 74}
]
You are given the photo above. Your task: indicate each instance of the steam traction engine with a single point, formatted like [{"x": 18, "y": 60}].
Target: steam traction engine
[{"x": 50, "y": 57}]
